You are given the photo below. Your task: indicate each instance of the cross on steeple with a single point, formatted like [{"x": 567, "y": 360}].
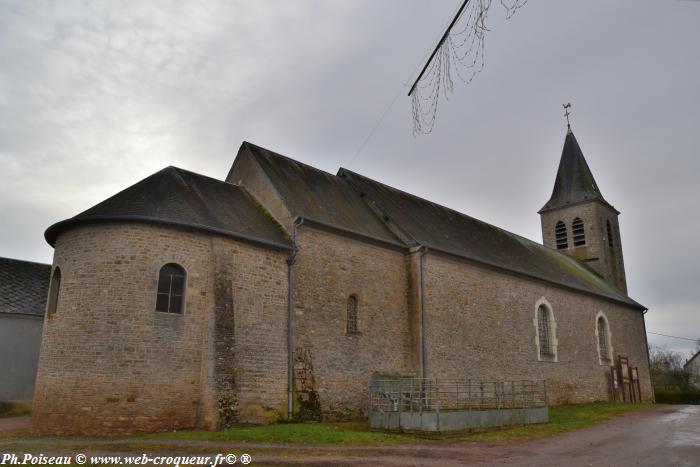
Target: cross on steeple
[{"x": 566, "y": 114}]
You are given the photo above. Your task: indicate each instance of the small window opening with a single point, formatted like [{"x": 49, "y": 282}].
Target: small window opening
[
  {"x": 543, "y": 332},
  {"x": 171, "y": 288},
  {"x": 352, "y": 315},
  {"x": 603, "y": 339},
  {"x": 578, "y": 232},
  {"x": 610, "y": 234},
  {"x": 54, "y": 290},
  {"x": 560, "y": 235}
]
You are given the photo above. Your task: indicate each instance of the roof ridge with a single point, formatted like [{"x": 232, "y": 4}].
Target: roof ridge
[
  {"x": 449, "y": 209},
  {"x": 526, "y": 242},
  {"x": 282, "y": 156},
  {"x": 197, "y": 174}
]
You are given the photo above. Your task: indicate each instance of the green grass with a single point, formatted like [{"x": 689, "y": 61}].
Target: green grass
[
  {"x": 562, "y": 418},
  {"x": 13, "y": 409},
  {"x": 342, "y": 433}
]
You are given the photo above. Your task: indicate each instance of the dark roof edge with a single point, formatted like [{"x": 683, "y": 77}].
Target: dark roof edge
[
  {"x": 25, "y": 261},
  {"x": 23, "y": 315},
  {"x": 632, "y": 304},
  {"x": 350, "y": 232},
  {"x": 277, "y": 154},
  {"x": 347, "y": 175},
  {"x": 52, "y": 232},
  {"x": 691, "y": 359},
  {"x": 603, "y": 202}
]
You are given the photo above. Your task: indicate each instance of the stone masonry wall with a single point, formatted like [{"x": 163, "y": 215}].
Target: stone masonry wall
[
  {"x": 110, "y": 363},
  {"x": 338, "y": 366},
  {"x": 608, "y": 262},
  {"x": 260, "y": 310},
  {"x": 480, "y": 325}
]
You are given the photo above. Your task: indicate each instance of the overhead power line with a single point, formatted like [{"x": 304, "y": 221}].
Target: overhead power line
[{"x": 673, "y": 337}]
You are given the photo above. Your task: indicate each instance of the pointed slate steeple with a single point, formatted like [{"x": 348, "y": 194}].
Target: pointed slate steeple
[{"x": 574, "y": 183}]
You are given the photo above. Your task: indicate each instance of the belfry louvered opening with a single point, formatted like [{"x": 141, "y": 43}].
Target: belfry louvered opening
[
  {"x": 560, "y": 235},
  {"x": 609, "y": 234},
  {"x": 578, "y": 231}
]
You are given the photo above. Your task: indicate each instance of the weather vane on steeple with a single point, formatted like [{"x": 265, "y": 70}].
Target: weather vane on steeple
[{"x": 566, "y": 114}]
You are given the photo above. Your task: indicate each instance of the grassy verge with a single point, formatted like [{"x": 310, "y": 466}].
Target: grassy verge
[
  {"x": 342, "y": 433},
  {"x": 562, "y": 418},
  {"x": 13, "y": 409}
]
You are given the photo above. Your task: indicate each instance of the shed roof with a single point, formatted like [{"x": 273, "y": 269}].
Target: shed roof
[
  {"x": 23, "y": 286},
  {"x": 178, "y": 197}
]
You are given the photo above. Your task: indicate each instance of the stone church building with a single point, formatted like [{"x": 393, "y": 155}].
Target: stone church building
[{"x": 186, "y": 301}]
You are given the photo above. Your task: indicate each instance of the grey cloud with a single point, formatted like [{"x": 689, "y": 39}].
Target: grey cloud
[{"x": 96, "y": 95}]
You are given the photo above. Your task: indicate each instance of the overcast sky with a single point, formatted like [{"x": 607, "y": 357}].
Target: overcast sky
[{"x": 96, "y": 95}]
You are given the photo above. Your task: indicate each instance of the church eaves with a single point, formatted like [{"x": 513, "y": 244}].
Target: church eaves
[
  {"x": 574, "y": 183},
  {"x": 185, "y": 199},
  {"x": 443, "y": 229}
]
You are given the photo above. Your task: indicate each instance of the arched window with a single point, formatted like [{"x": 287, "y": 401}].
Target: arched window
[
  {"x": 609, "y": 234},
  {"x": 544, "y": 332},
  {"x": 560, "y": 234},
  {"x": 54, "y": 290},
  {"x": 352, "y": 315},
  {"x": 603, "y": 344},
  {"x": 578, "y": 232},
  {"x": 171, "y": 288}
]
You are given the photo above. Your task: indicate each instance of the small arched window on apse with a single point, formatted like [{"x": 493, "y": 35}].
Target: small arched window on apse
[
  {"x": 351, "y": 326},
  {"x": 578, "y": 232},
  {"x": 54, "y": 291},
  {"x": 171, "y": 289},
  {"x": 561, "y": 236},
  {"x": 609, "y": 233},
  {"x": 603, "y": 340}
]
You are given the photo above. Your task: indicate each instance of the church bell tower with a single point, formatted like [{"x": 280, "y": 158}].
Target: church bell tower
[{"x": 578, "y": 221}]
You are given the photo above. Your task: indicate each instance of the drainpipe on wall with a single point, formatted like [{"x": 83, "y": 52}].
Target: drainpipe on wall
[
  {"x": 290, "y": 318},
  {"x": 646, "y": 341},
  {"x": 423, "y": 347}
]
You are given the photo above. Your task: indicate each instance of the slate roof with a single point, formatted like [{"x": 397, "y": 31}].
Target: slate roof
[
  {"x": 574, "y": 182},
  {"x": 178, "y": 197},
  {"x": 317, "y": 195},
  {"x": 449, "y": 231},
  {"x": 23, "y": 287}
]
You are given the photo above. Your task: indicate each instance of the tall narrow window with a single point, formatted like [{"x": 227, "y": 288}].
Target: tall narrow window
[
  {"x": 609, "y": 234},
  {"x": 578, "y": 232},
  {"x": 54, "y": 290},
  {"x": 352, "y": 315},
  {"x": 603, "y": 340},
  {"x": 560, "y": 234},
  {"x": 543, "y": 331},
  {"x": 171, "y": 288}
]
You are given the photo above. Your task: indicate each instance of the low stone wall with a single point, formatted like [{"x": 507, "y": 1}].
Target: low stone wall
[{"x": 459, "y": 420}]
